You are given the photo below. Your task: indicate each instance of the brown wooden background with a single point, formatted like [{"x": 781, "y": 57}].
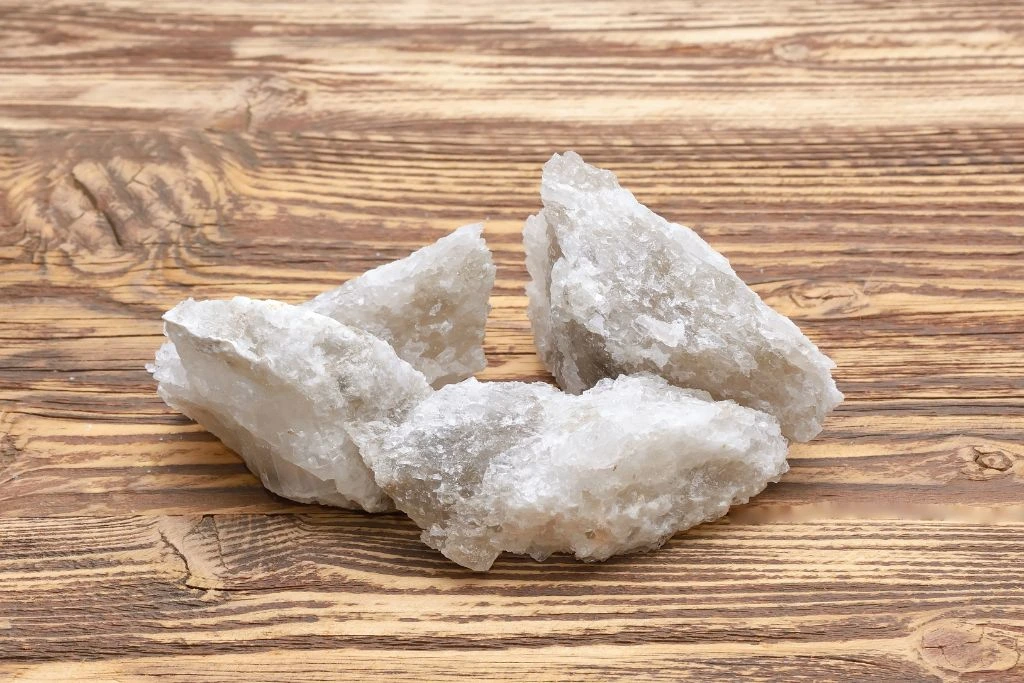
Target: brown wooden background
[{"x": 861, "y": 164}]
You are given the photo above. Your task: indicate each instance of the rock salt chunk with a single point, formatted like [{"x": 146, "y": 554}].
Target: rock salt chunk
[
  {"x": 431, "y": 307},
  {"x": 617, "y": 289},
  {"x": 506, "y": 466},
  {"x": 283, "y": 386}
]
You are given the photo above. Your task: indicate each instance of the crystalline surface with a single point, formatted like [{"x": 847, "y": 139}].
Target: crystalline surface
[
  {"x": 283, "y": 386},
  {"x": 487, "y": 467},
  {"x": 430, "y": 306},
  {"x": 618, "y": 289}
]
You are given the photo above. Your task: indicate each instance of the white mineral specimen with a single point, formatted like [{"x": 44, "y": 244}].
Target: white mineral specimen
[
  {"x": 617, "y": 289},
  {"x": 506, "y": 466},
  {"x": 431, "y": 306},
  {"x": 282, "y": 386}
]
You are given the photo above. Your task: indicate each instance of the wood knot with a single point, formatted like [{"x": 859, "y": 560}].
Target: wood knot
[
  {"x": 966, "y": 647},
  {"x": 817, "y": 299},
  {"x": 112, "y": 192},
  {"x": 985, "y": 461},
  {"x": 791, "y": 52},
  {"x": 993, "y": 459}
]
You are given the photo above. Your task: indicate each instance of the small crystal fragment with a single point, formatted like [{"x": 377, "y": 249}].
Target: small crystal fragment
[
  {"x": 430, "y": 306},
  {"x": 282, "y": 386},
  {"x": 617, "y": 289},
  {"x": 506, "y": 466}
]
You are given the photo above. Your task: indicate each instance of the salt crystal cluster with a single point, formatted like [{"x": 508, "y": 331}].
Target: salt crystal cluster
[
  {"x": 279, "y": 385},
  {"x": 683, "y": 385},
  {"x": 506, "y": 466},
  {"x": 617, "y": 289}
]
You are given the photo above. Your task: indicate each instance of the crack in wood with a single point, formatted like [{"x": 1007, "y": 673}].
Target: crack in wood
[{"x": 94, "y": 201}]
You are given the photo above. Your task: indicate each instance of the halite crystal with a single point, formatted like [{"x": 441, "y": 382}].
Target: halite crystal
[
  {"x": 283, "y": 386},
  {"x": 431, "y": 306},
  {"x": 488, "y": 467},
  {"x": 618, "y": 289}
]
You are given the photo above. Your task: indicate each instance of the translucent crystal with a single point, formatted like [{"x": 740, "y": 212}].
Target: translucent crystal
[
  {"x": 431, "y": 306},
  {"x": 282, "y": 386},
  {"x": 618, "y": 289},
  {"x": 506, "y": 466}
]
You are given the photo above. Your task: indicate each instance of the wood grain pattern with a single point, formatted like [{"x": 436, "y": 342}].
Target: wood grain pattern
[{"x": 861, "y": 165}]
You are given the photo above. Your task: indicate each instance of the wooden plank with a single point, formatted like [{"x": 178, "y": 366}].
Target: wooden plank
[
  {"x": 861, "y": 165},
  {"x": 296, "y": 66},
  {"x": 233, "y": 585}
]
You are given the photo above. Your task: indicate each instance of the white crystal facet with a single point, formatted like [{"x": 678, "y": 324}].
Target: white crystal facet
[
  {"x": 506, "y": 466},
  {"x": 283, "y": 387},
  {"x": 618, "y": 289},
  {"x": 430, "y": 306}
]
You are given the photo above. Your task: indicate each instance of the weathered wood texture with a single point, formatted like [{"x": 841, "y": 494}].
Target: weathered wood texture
[{"x": 861, "y": 164}]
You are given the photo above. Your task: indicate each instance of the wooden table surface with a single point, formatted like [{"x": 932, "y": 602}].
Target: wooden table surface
[{"x": 861, "y": 164}]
